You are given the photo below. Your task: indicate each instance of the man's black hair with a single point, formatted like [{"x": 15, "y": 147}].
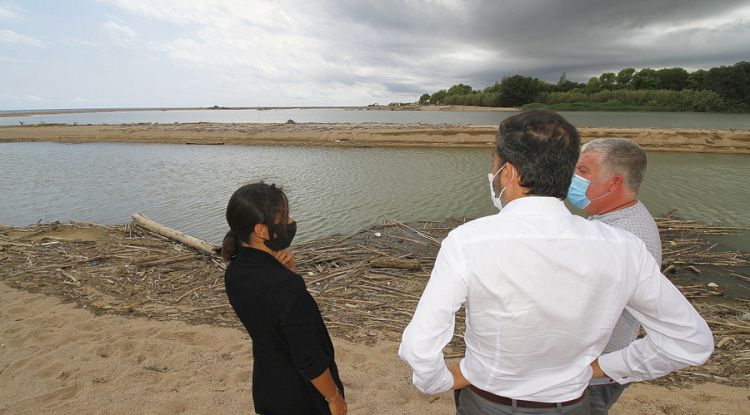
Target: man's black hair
[{"x": 543, "y": 147}]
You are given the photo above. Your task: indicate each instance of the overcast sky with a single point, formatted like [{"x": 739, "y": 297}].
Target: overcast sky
[{"x": 157, "y": 53}]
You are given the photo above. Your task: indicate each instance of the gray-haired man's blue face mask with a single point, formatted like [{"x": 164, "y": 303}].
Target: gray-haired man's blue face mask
[{"x": 577, "y": 191}]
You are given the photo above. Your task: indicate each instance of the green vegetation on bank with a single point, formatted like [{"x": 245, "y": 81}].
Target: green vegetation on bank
[{"x": 719, "y": 89}]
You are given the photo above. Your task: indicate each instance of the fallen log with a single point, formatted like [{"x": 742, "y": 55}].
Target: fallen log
[
  {"x": 166, "y": 261},
  {"x": 395, "y": 263},
  {"x": 181, "y": 237}
]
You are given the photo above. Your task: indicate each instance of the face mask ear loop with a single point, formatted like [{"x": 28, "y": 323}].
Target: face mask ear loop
[
  {"x": 511, "y": 179},
  {"x": 494, "y": 176},
  {"x": 599, "y": 179}
]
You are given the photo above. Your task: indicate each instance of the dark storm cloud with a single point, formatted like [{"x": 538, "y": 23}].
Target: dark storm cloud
[{"x": 544, "y": 38}]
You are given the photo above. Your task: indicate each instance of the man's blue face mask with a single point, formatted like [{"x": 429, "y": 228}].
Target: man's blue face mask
[{"x": 577, "y": 191}]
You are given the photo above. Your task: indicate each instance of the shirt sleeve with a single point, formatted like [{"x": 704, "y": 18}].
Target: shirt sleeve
[
  {"x": 298, "y": 329},
  {"x": 433, "y": 323},
  {"x": 676, "y": 335}
]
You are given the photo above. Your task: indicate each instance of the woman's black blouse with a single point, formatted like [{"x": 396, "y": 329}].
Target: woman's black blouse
[{"x": 291, "y": 345}]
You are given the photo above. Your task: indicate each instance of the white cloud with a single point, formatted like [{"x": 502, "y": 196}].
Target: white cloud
[
  {"x": 9, "y": 10},
  {"x": 34, "y": 98},
  {"x": 24, "y": 98},
  {"x": 9, "y": 36},
  {"x": 300, "y": 48},
  {"x": 268, "y": 14},
  {"x": 120, "y": 34},
  {"x": 75, "y": 42}
]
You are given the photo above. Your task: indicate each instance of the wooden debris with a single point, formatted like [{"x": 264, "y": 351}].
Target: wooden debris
[
  {"x": 724, "y": 341},
  {"x": 165, "y": 261},
  {"x": 146, "y": 223},
  {"x": 395, "y": 263}
]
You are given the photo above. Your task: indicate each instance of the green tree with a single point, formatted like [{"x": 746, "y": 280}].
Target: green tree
[
  {"x": 607, "y": 80},
  {"x": 732, "y": 83},
  {"x": 671, "y": 78},
  {"x": 438, "y": 97},
  {"x": 645, "y": 79},
  {"x": 642, "y": 99},
  {"x": 492, "y": 89},
  {"x": 564, "y": 85},
  {"x": 459, "y": 89},
  {"x": 625, "y": 76},
  {"x": 593, "y": 85},
  {"x": 517, "y": 90},
  {"x": 424, "y": 99},
  {"x": 696, "y": 80}
]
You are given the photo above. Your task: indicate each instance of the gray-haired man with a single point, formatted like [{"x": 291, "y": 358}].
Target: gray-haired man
[{"x": 609, "y": 173}]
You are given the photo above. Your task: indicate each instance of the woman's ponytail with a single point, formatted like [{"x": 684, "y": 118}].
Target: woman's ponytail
[{"x": 230, "y": 246}]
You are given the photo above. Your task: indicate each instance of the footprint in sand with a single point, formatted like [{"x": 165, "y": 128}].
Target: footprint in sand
[
  {"x": 102, "y": 351},
  {"x": 93, "y": 325},
  {"x": 51, "y": 370}
]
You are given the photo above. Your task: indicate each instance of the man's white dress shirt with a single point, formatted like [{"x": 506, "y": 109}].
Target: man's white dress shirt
[{"x": 543, "y": 290}]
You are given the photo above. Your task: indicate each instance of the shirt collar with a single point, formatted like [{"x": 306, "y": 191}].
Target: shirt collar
[
  {"x": 252, "y": 254},
  {"x": 621, "y": 212},
  {"x": 536, "y": 205}
]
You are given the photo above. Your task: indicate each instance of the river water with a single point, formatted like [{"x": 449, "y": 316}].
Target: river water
[
  {"x": 338, "y": 115},
  {"x": 332, "y": 190}
]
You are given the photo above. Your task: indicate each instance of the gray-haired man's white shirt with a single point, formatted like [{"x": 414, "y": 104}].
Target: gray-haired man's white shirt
[{"x": 637, "y": 220}]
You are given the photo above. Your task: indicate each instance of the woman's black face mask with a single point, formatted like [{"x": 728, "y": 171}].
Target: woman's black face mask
[{"x": 281, "y": 240}]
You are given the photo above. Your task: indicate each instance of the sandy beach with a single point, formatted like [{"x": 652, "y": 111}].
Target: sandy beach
[
  {"x": 62, "y": 359},
  {"x": 113, "y": 320},
  {"x": 361, "y": 135}
]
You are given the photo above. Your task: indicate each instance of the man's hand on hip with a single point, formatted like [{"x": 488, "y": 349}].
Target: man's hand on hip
[
  {"x": 459, "y": 381},
  {"x": 598, "y": 372}
]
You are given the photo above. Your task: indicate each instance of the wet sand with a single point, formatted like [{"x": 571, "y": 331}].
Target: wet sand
[{"x": 361, "y": 135}]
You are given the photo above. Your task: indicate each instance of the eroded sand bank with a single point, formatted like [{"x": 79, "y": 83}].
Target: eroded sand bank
[{"x": 362, "y": 135}]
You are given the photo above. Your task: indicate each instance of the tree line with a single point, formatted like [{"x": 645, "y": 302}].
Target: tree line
[{"x": 718, "y": 89}]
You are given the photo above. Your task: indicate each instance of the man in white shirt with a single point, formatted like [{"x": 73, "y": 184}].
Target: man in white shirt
[
  {"x": 543, "y": 291},
  {"x": 605, "y": 185}
]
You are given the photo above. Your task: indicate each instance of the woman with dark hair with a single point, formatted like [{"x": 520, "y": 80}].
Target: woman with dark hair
[{"x": 294, "y": 371}]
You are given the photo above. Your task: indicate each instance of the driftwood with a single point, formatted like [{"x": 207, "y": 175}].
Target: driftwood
[
  {"x": 165, "y": 261},
  {"x": 733, "y": 331},
  {"x": 395, "y": 263},
  {"x": 185, "y": 239}
]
